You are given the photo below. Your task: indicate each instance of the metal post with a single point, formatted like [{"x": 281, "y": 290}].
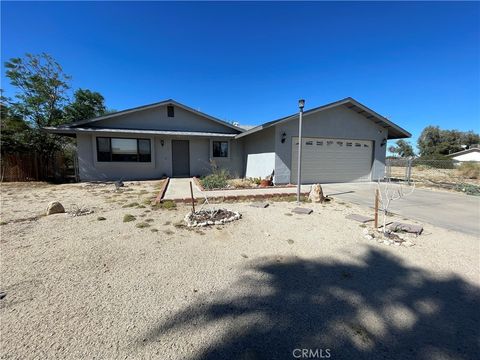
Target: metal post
[
  {"x": 409, "y": 174},
  {"x": 193, "y": 199},
  {"x": 299, "y": 169}
]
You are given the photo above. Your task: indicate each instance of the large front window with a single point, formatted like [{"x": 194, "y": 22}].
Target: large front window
[
  {"x": 123, "y": 149},
  {"x": 220, "y": 148}
]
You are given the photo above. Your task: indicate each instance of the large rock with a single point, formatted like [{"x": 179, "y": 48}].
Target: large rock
[
  {"x": 316, "y": 194},
  {"x": 54, "y": 207}
]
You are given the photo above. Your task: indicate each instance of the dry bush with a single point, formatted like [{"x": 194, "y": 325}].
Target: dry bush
[
  {"x": 241, "y": 183},
  {"x": 470, "y": 170}
]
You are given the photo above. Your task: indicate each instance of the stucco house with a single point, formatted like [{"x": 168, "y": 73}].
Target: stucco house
[
  {"x": 472, "y": 154},
  {"x": 342, "y": 141}
]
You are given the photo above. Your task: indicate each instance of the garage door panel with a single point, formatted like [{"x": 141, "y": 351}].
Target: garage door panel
[{"x": 333, "y": 160}]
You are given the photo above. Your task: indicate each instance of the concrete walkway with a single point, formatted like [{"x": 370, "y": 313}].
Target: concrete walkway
[{"x": 453, "y": 211}]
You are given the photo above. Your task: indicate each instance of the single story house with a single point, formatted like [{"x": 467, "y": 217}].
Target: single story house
[
  {"x": 342, "y": 141},
  {"x": 472, "y": 154}
]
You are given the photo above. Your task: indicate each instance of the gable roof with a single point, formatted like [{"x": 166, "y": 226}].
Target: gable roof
[
  {"x": 147, "y": 107},
  {"x": 467, "y": 151},
  {"x": 394, "y": 131}
]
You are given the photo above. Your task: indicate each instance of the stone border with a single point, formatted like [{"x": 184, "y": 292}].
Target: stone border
[
  {"x": 233, "y": 198},
  {"x": 162, "y": 191},
  {"x": 236, "y": 216},
  {"x": 199, "y": 185}
]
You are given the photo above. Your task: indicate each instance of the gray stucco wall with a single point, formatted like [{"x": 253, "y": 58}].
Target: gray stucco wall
[
  {"x": 92, "y": 170},
  {"x": 234, "y": 162},
  {"x": 157, "y": 119},
  {"x": 260, "y": 153},
  {"x": 338, "y": 122},
  {"x": 161, "y": 164}
]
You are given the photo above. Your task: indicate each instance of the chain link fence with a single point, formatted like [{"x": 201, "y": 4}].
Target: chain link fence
[{"x": 444, "y": 174}]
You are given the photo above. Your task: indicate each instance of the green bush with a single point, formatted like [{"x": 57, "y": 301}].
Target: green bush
[
  {"x": 218, "y": 179},
  {"x": 470, "y": 170},
  {"x": 435, "y": 161},
  {"x": 468, "y": 189}
]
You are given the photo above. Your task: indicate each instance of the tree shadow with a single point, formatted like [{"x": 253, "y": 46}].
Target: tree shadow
[{"x": 373, "y": 308}]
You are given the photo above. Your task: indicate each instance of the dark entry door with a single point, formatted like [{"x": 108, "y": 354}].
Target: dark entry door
[{"x": 180, "y": 158}]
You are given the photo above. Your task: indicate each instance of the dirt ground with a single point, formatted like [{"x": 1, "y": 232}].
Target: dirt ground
[
  {"x": 431, "y": 177},
  {"x": 262, "y": 287}
]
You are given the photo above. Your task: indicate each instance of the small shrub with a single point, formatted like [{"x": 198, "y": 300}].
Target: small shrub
[
  {"x": 169, "y": 232},
  {"x": 133, "y": 204},
  {"x": 148, "y": 220},
  {"x": 167, "y": 204},
  {"x": 128, "y": 218},
  {"x": 141, "y": 207},
  {"x": 101, "y": 218},
  {"x": 241, "y": 183},
  {"x": 256, "y": 180},
  {"x": 153, "y": 230},
  {"x": 469, "y": 189},
  {"x": 142, "y": 225},
  {"x": 216, "y": 180},
  {"x": 469, "y": 170}
]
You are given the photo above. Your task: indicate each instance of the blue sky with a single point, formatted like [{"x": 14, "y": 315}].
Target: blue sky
[{"x": 416, "y": 63}]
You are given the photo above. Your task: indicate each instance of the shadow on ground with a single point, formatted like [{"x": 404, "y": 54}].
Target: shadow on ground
[{"x": 376, "y": 308}]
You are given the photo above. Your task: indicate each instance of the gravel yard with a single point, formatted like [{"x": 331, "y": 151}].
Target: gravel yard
[{"x": 95, "y": 286}]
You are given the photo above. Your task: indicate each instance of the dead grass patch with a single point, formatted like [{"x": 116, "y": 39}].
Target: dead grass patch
[
  {"x": 128, "y": 218},
  {"x": 142, "y": 225},
  {"x": 133, "y": 204}
]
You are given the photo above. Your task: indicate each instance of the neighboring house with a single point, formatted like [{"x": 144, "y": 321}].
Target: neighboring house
[
  {"x": 472, "y": 154},
  {"x": 343, "y": 141}
]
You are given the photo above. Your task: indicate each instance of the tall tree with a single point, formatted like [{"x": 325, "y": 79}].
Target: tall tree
[
  {"x": 86, "y": 105},
  {"x": 41, "y": 96},
  {"x": 16, "y": 134},
  {"x": 404, "y": 149},
  {"x": 434, "y": 141}
]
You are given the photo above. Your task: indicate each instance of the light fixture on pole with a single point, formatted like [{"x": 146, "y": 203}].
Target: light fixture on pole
[{"x": 301, "y": 104}]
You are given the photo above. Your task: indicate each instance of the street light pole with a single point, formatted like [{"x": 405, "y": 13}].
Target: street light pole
[{"x": 301, "y": 104}]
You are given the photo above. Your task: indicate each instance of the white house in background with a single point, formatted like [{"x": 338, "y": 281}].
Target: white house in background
[{"x": 472, "y": 154}]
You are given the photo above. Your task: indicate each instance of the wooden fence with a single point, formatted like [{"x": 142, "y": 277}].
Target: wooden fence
[{"x": 34, "y": 167}]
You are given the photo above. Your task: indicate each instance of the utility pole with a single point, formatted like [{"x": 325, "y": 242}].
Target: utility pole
[{"x": 301, "y": 104}]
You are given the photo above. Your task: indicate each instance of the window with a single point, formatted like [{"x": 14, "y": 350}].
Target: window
[
  {"x": 123, "y": 150},
  {"x": 309, "y": 143},
  {"x": 320, "y": 143},
  {"x": 170, "y": 111},
  {"x": 365, "y": 145},
  {"x": 358, "y": 145},
  {"x": 103, "y": 149},
  {"x": 349, "y": 144},
  {"x": 220, "y": 148},
  {"x": 340, "y": 143},
  {"x": 329, "y": 143}
]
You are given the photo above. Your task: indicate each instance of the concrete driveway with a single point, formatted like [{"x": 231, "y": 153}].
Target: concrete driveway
[{"x": 448, "y": 210}]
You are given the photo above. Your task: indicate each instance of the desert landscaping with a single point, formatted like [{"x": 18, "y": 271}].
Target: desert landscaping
[{"x": 127, "y": 279}]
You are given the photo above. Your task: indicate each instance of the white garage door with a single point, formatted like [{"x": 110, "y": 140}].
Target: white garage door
[{"x": 332, "y": 160}]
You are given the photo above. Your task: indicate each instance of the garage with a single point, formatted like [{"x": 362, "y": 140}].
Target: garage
[{"x": 327, "y": 160}]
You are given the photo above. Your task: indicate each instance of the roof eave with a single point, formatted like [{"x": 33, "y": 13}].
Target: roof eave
[{"x": 152, "y": 106}]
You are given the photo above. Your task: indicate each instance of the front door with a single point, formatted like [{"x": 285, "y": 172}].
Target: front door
[{"x": 180, "y": 158}]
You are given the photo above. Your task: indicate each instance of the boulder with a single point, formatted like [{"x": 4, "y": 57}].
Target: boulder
[
  {"x": 316, "y": 194},
  {"x": 54, "y": 207}
]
